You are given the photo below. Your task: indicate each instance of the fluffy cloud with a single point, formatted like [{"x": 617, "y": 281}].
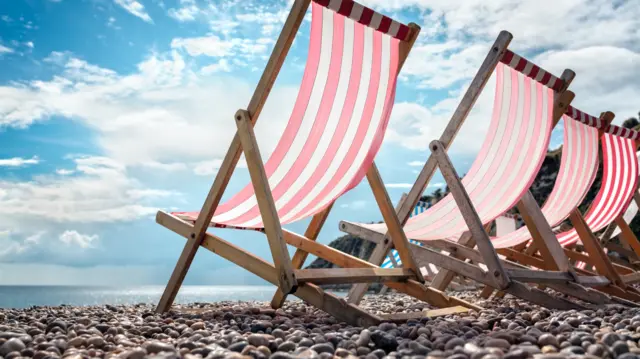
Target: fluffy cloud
[
  {"x": 163, "y": 116},
  {"x": 5, "y": 50},
  {"x": 135, "y": 8},
  {"x": 18, "y": 161},
  {"x": 100, "y": 192},
  {"x": 73, "y": 238}
]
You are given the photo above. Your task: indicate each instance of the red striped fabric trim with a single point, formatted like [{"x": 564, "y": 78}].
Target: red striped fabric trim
[
  {"x": 584, "y": 117},
  {"x": 531, "y": 70},
  {"x": 367, "y": 17},
  {"x": 623, "y": 132}
]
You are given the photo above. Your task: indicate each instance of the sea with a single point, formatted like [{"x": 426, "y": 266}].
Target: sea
[{"x": 28, "y": 296}]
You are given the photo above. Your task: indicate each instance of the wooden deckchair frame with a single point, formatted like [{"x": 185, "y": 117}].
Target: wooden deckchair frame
[
  {"x": 285, "y": 273},
  {"x": 559, "y": 275},
  {"x": 595, "y": 255}
]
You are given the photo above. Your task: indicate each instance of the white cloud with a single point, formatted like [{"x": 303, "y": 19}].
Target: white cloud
[
  {"x": 162, "y": 116},
  {"x": 5, "y": 50},
  {"x": 19, "y": 161},
  {"x": 399, "y": 185},
  {"x": 135, "y": 8},
  {"x": 64, "y": 172},
  {"x": 220, "y": 66},
  {"x": 416, "y": 163},
  {"x": 206, "y": 168},
  {"x": 101, "y": 192},
  {"x": 358, "y": 204},
  {"x": 187, "y": 11},
  {"x": 73, "y": 238},
  {"x": 29, "y": 44}
]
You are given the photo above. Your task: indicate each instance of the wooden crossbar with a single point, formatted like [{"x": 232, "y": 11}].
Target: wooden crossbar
[
  {"x": 353, "y": 275},
  {"x": 256, "y": 265}
]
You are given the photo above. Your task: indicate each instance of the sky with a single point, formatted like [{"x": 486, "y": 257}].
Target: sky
[{"x": 111, "y": 110}]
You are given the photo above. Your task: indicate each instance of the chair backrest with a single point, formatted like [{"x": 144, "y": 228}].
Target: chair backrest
[
  {"x": 578, "y": 168},
  {"x": 620, "y": 172},
  {"x": 339, "y": 117},
  {"x": 511, "y": 155}
]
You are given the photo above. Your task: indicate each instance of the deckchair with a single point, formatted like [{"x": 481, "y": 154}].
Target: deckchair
[
  {"x": 577, "y": 172},
  {"x": 335, "y": 129},
  {"x": 619, "y": 183},
  {"x": 528, "y": 103}
]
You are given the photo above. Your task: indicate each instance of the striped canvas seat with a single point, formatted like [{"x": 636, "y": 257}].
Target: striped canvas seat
[
  {"x": 510, "y": 157},
  {"x": 631, "y": 211},
  {"x": 338, "y": 120},
  {"x": 619, "y": 182},
  {"x": 578, "y": 168}
]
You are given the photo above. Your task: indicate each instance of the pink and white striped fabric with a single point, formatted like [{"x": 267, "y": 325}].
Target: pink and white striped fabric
[
  {"x": 619, "y": 183},
  {"x": 578, "y": 168},
  {"x": 508, "y": 161},
  {"x": 338, "y": 121}
]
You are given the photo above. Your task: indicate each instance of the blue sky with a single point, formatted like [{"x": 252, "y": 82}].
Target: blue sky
[{"x": 113, "y": 109}]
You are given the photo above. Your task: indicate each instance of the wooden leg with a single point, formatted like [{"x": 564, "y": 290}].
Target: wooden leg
[
  {"x": 341, "y": 259},
  {"x": 627, "y": 235},
  {"x": 307, "y": 292},
  {"x": 444, "y": 276},
  {"x": 470, "y": 215},
  {"x": 299, "y": 257},
  {"x": 381, "y": 250},
  {"x": 592, "y": 246},
  {"x": 400, "y": 241},
  {"x": 486, "y": 292},
  {"x": 542, "y": 234},
  {"x": 269, "y": 75},
  {"x": 271, "y": 221}
]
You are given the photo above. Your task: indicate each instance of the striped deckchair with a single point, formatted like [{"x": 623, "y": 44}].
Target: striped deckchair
[
  {"x": 528, "y": 103},
  {"x": 619, "y": 184},
  {"x": 334, "y": 132}
]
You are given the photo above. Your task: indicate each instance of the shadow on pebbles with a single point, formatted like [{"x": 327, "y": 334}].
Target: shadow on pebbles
[{"x": 506, "y": 329}]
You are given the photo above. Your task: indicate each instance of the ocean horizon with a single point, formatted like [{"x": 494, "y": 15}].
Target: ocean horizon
[{"x": 24, "y": 296}]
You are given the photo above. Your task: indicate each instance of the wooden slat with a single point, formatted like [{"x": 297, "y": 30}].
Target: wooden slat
[
  {"x": 596, "y": 253},
  {"x": 445, "y": 276},
  {"x": 461, "y": 197},
  {"x": 341, "y": 259},
  {"x": 542, "y": 233},
  {"x": 309, "y": 293},
  {"x": 631, "y": 278},
  {"x": 459, "y": 116},
  {"x": 433, "y": 313},
  {"x": 443, "y": 261},
  {"x": 353, "y": 275},
  {"x": 278, "y": 55},
  {"x": 585, "y": 258},
  {"x": 538, "y": 276},
  {"x": 627, "y": 236},
  {"x": 592, "y": 281},
  {"x": 299, "y": 257},
  {"x": 398, "y": 237},
  {"x": 266, "y": 204}
]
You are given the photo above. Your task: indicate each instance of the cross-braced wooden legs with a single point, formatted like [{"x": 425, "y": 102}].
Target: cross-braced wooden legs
[
  {"x": 272, "y": 227},
  {"x": 308, "y": 292},
  {"x": 490, "y": 257},
  {"x": 299, "y": 257}
]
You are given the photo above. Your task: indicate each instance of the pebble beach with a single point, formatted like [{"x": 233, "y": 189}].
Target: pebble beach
[{"x": 508, "y": 328}]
